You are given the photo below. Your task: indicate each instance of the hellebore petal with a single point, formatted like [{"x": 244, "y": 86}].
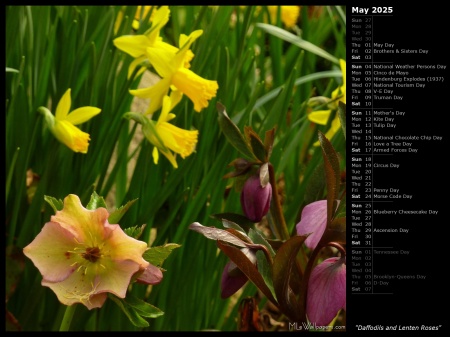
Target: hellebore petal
[
  {"x": 82, "y": 257},
  {"x": 150, "y": 275},
  {"x": 54, "y": 260},
  {"x": 313, "y": 222},
  {"x": 326, "y": 291},
  {"x": 255, "y": 199}
]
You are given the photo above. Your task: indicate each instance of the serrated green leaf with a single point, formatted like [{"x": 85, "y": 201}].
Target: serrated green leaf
[
  {"x": 316, "y": 184},
  {"x": 268, "y": 142},
  {"x": 332, "y": 173},
  {"x": 143, "y": 308},
  {"x": 56, "y": 204},
  {"x": 134, "y": 232},
  {"x": 232, "y": 132},
  {"x": 115, "y": 216},
  {"x": 134, "y": 317},
  {"x": 341, "y": 211},
  {"x": 266, "y": 270},
  {"x": 257, "y": 238},
  {"x": 238, "y": 219},
  {"x": 157, "y": 255},
  {"x": 283, "y": 263},
  {"x": 255, "y": 143},
  {"x": 96, "y": 202}
]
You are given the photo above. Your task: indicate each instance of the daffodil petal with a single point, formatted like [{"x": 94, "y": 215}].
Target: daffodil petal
[
  {"x": 159, "y": 19},
  {"x": 134, "y": 45},
  {"x": 319, "y": 116},
  {"x": 71, "y": 136},
  {"x": 182, "y": 56},
  {"x": 156, "y": 93},
  {"x": 63, "y": 107},
  {"x": 162, "y": 60},
  {"x": 155, "y": 155},
  {"x": 170, "y": 157},
  {"x": 81, "y": 115},
  {"x": 198, "y": 89},
  {"x": 178, "y": 140},
  {"x": 334, "y": 127},
  {"x": 166, "y": 107},
  {"x": 134, "y": 64}
]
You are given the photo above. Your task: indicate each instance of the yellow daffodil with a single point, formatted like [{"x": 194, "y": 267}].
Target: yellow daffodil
[
  {"x": 82, "y": 257},
  {"x": 137, "y": 17},
  {"x": 167, "y": 138},
  {"x": 289, "y": 14},
  {"x": 62, "y": 125},
  {"x": 136, "y": 45},
  {"x": 172, "y": 69},
  {"x": 321, "y": 116}
]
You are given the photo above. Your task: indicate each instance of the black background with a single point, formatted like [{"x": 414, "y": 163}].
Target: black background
[{"x": 412, "y": 302}]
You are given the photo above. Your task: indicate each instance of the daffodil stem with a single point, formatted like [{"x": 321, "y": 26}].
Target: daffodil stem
[
  {"x": 67, "y": 319},
  {"x": 277, "y": 211}
]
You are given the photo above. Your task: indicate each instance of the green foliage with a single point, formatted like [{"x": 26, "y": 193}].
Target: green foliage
[{"x": 266, "y": 75}]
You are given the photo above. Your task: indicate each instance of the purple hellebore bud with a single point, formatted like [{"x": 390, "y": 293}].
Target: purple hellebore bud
[
  {"x": 255, "y": 199},
  {"x": 326, "y": 291},
  {"x": 233, "y": 278}
]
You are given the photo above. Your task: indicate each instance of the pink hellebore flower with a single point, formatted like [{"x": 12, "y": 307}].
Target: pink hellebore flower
[
  {"x": 82, "y": 257},
  {"x": 313, "y": 222},
  {"x": 255, "y": 199},
  {"x": 326, "y": 291},
  {"x": 233, "y": 278}
]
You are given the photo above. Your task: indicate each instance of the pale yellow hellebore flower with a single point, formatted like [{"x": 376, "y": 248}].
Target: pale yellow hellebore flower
[
  {"x": 82, "y": 257},
  {"x": 321, "y": 116},
  {"x": 62, "y": 125},
  {"x": 172, "y": 69}
]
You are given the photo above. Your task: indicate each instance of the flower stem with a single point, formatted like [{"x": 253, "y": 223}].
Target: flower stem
[
  {"x": 276, "y": 210},
  {"x": 67, "y": 319}
]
